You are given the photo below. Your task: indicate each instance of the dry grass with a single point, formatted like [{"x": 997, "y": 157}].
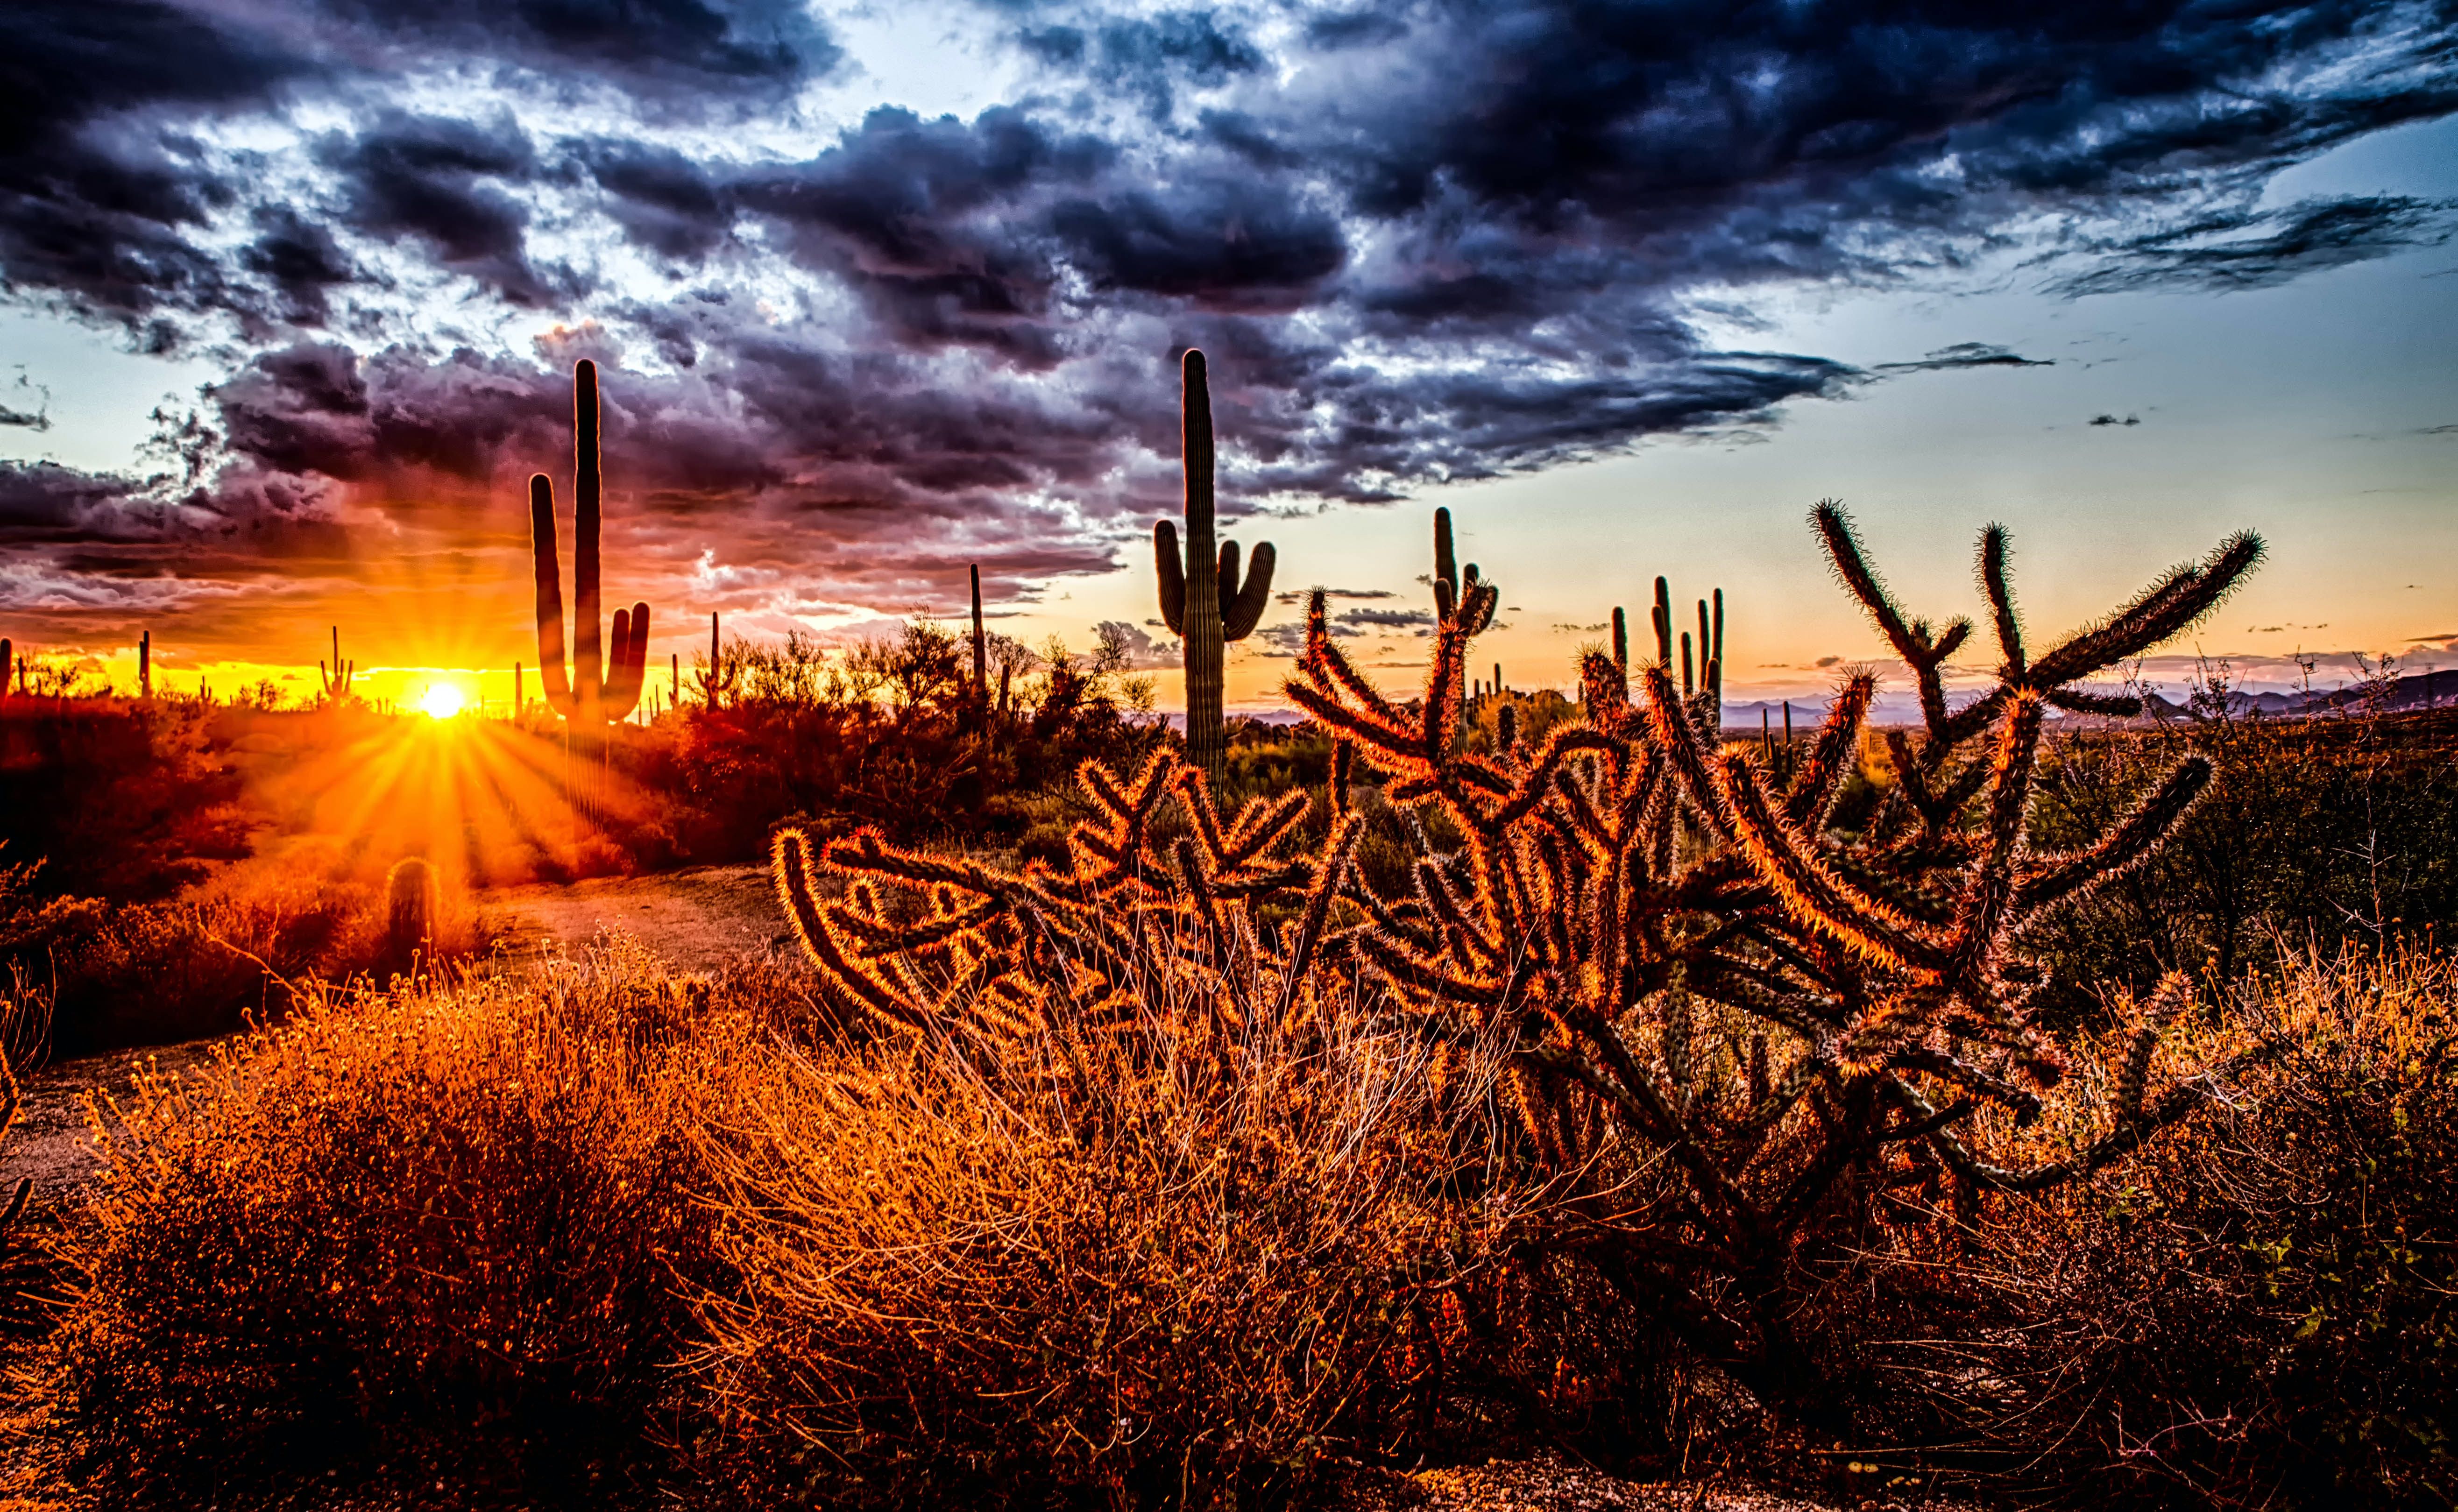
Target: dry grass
[
  {"x": 1177, "y": 1262},
  {"x": 419, "y": 1237},
  {"x": 597, "y": 1233}
]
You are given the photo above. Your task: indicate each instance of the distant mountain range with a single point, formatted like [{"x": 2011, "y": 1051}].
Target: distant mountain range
[
  {"x": 2432, "y": 690},
  {"x": 2420, "y": 690}
]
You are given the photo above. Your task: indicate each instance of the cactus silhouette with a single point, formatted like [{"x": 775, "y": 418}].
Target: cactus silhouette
[
  {"x": 145, "y": 665},
  {"x": 716, "y": 680},
  {"x": 981, "y": 688},
  {"x": 336, "y": 682},
  {"x": 596, "y": 691},
  {"x": 1202, "y": 602}
]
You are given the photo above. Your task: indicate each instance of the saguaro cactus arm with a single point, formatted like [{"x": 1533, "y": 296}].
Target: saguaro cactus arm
[
  {"x": 552, "y": 678},
  {"x": 1242, "y": 605},
  {"x": 623, "y": 679}
]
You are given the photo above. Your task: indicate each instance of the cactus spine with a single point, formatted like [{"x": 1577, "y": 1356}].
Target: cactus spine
[
  {"x": 337, "y": 681},
  {"x": 1204, "y": 604},
  {"x": 596, "y": 692}
]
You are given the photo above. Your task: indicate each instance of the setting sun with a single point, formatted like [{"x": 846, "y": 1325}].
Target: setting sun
[{"x": 443, "y": 701}]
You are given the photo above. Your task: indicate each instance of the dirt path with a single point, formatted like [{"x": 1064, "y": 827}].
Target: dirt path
[
  {"x": 693, "y": 920},
  {"x": 52, "y": 1142}
]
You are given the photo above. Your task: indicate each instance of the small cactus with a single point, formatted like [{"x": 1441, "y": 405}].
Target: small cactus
[
  {"x": 1202, "y": 602},
  {"x": 410, "y": 907}
]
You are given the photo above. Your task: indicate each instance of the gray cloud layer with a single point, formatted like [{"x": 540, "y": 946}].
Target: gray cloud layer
[{"x": 1421, "y": 241}]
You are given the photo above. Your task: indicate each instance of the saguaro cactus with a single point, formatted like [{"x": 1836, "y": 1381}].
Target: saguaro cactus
[
  {"x": 716, "y": 679},
  {"x": 1202, "y": 602},
  {"x": 337, "y": 681},
  {"x": 1702, "y": 664},
  {"x": 981, "y": 652},
  {"x": 594, "y": 692},
  {"x": 145, "y": 665}
]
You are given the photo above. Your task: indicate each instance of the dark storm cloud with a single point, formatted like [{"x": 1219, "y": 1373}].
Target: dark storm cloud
[
  {"x": 688, "y": 53},
  {"x": 1150, "y": 56},
  {"x": 450, "y": 184},
  {"x": 1421, "y": 241},
  {"x": 2258, "y": 249},
  {"x": 105, "y": 188},
  {"x": 663, "y": 200},
  {"x": 1221, "y": 241},
  {"x": 299, "y": 261},
  {"x": 921, "y": 218}
]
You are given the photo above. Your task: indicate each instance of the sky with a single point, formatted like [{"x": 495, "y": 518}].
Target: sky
[{"x": 290, "y": 293}]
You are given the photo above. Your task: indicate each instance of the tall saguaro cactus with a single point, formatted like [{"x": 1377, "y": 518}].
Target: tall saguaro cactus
[
  {"x": 145, "y": 665},
  {"x": 981, "y": 693},
  {"x": 1202, "y": 601},
  {"x": 337, "y": 681},
  {"x": 596, "y": 692}
]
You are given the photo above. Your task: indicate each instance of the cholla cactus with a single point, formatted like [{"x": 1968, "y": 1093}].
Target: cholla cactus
[
  {"x": 1204, "y": 604},
  {"x": 596, "y": 692},
  {"x": 336, "y": 682},
  {"x": 1708, "y": 987}
]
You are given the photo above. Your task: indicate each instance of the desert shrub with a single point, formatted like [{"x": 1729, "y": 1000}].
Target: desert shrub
[
  {"x": 429, "y": 1239},
  {"x": 2257, "y": 1313},
  {"x": 118, "y": 800},
  {"x": 197, "y": 964},
  {"x": 2315, "y": 833},
  {"x": 1181, "y": 1260}
]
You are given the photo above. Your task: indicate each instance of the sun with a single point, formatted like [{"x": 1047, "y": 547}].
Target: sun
[{"x": 443, "y": 701}]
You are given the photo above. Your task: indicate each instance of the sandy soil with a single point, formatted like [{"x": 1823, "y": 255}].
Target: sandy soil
[
  {"x": 52, "y": 1142},
  {"x": 693, "y": 920}
]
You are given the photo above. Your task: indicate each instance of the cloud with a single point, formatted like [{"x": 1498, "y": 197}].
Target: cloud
[
  {"x": 1419, "y": 245},
  {"x": 1965, "y": 354},
  {"x": 2112, "y": 420},
  {"x": 1386, "y": 619},
  {"x": 2257, "y": 249},
  {"x": 1299, "y": 595}
]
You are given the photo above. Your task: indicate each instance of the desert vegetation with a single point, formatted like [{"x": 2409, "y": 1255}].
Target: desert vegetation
[{"x": 2039, "y": 1104}]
